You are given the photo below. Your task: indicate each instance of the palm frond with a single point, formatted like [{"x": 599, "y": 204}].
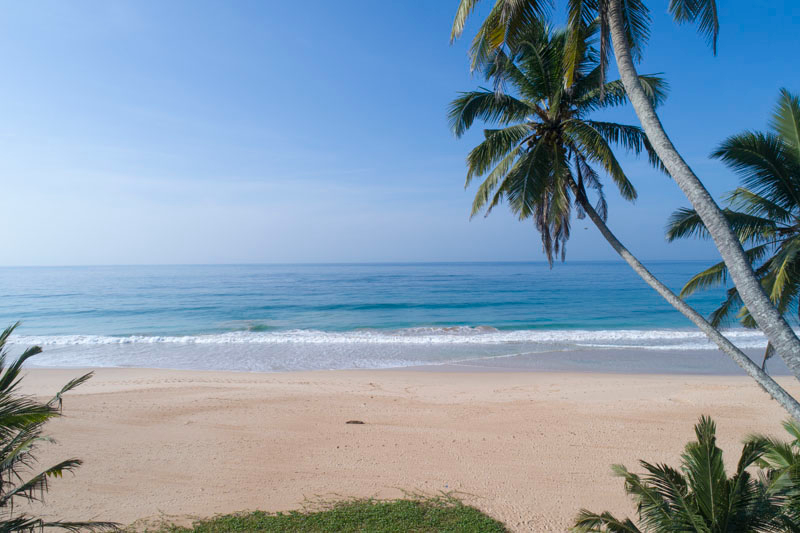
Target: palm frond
[
  {"x": 587, "y": 177},
  {"x": 761, "y": 161},
  {"x": 701, "y": 12},
  {"x": 786, "y": 122},
  {"x": 489, "y": 38},
  {"x": 518, "y": 16},
  {"x": 465, "y": 8},
  {"x": 506, "y": 20},
  {"x": 596, "y": 149},
  {"x": 612, "y": 94},
  {"x": 34, "y": 488},
  {"x": 685, "y": 222},
  {"x": 73, "y": 383},
  {"x": 705, "y": 470},
  {"x": 650, "y": 504},
  {"x": 487, "y": 106},
  {"x": 582, "y": 26},
  {"x": 505, "y": 75},
  {"x": 632, "y": 138},
  {"x": 751, "y": 203},
  {"x": 539, "y": 55},
  {"x": 528, "y": 173},
  {"x": 710, "y": 277},
  {"x": 491, "y": 181},
  {"x": 496, "y": 147},
  {"x": 588, "y": 522},
  {"x": 717, "y": 274},
  {"x": 784, "y": 269},
  {"x": 721, "y": 314},
  {"x": 636, "y": 17}
]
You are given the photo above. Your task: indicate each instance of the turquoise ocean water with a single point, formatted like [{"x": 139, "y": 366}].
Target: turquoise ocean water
[{"x": 292, "y": 317}]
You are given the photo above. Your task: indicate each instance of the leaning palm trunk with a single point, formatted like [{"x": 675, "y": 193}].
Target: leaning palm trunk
[
  {"x": 740, "y": 358},
  {"x": 769, "y": 320}
]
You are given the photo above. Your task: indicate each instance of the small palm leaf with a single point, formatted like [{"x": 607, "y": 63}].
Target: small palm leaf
[
  {"x": 786, "y": 121},
  {"x": 701, "y": 12},
  {"x": 588, "y": 522},
  {"x": 487, "y": 106},
  {"x": 705, "y": 471},
  {"x": 494, "y": 149}
]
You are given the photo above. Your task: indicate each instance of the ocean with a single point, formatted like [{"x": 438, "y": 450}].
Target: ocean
[{"x": 344, "y": 316}]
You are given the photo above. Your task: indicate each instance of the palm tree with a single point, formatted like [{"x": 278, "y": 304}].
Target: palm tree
[
  {"x": 698, "y": 497},
  {"x": 781, "y": 460},
  {"x": 542, "y": 156},
  {"x": 625, "y": 25},
  {"x": 546, "y": 149},
  {"x": 22, "y": 420},
  {"x": 764, "y": 213}
]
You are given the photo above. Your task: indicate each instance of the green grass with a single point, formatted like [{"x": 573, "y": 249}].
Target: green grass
[{"x": 441, "y": 515}]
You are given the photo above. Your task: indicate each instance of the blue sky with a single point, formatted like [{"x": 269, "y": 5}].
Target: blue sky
[{"x": 263, "y": 131}]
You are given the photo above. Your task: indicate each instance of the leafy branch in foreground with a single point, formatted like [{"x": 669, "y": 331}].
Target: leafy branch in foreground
[
  {"x": 698, "y": 496},
  {"x": 22, "y": 420}
]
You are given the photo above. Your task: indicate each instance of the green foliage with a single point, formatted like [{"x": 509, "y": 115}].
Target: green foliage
[
  {"x": 22, "y": 420},
  {"x": 764, "y": 212},
  {"x": 699, "y": 496},
  {"x": 509, "y": 19},
  {"x": 782, "y": 463},
  {"x": 542, "y": 150},
  {"x": 442, "y": 514}
]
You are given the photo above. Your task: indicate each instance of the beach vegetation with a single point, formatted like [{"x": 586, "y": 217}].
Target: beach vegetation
[
  {"x": 22, "y": 422},
  {"x": 699, "y": 495},
  {"x": 781, "y": 461},
  {"x": 443, "y": 514},
  {"x": 764, "y": 212}
]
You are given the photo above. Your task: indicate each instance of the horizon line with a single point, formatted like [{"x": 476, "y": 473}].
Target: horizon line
[{"x": 355, "y": 263}]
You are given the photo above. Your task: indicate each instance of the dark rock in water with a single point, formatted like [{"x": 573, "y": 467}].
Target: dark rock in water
[{"x": 354, "y": 422}]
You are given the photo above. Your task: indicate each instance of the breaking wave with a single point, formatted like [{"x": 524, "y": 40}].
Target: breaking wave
[{"x": 655, "y": 339}]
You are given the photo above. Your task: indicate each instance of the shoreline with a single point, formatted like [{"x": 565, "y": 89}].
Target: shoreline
[
  {"x": 629, "y": 361},
  {"x": 522, "y": 446}
]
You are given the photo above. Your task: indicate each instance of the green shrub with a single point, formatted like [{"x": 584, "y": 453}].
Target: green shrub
[
  {"x": 699, "y": 496},
  {"x": 440, "y": 515}
]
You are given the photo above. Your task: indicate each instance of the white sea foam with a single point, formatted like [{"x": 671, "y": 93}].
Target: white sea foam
[{"x": 655, "y": 339}]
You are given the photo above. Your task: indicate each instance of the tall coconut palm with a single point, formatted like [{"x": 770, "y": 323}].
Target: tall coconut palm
[
  {"x": 546, "y": 148},
  {"x": 542, "y": 156},
  {"x": 625, "y": 25},
  {"x": 764, "y": 213},
  {"x": 697, "y": 497}
]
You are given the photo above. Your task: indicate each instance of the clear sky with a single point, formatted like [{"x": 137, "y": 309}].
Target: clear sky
[{"x": 265, "y": 131}]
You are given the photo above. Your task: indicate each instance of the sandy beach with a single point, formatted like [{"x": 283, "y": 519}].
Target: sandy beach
[{"x": 529, "y": 448}]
